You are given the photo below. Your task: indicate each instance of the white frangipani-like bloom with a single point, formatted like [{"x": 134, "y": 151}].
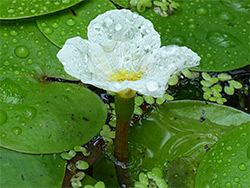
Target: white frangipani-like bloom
[{"x": 123, "y": 52}]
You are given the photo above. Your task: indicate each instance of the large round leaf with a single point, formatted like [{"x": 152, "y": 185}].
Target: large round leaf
[
  {"x": 26, "y": 170},
  {"x": 181, "y": 128},
  {"x": 39, "y": 116},
  {"x": 72, "y": 22},
  {"x": 227, "y": 164},
  {"x": 15, "y": 9},
  {"x": 217, "y": 30},
  {"x": 49, "y": 117}
]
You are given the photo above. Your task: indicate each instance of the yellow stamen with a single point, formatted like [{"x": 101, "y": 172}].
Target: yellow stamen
[{"x": 122, "y": 75}]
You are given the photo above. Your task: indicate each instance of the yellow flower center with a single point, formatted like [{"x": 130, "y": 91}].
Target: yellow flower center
[{"x": 122, "y": 75}]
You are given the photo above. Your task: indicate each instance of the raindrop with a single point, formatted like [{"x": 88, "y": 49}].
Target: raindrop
[
  {"x": 30, "y": 61},
  {"x": 70, "y": 22},
  {"x": 55, "y": 25},
  {"x": 236, "y": 179},
  {"x": 228, "y": 184},
  {"x": 30, "y": 112},
  {"x": 192, "y": 26},
  {"x": 242, "y": 167},
  {"x": 108, "y": 21},
  {"x": 3, "y": 135},
  {"x": 201, "y": 11},
  {"x": 11, "y": 10},
  {"x": 6, "y": 63},
  {"x": 3, "y": 117},
  {"x": 118, "y": 27},
  {"x": 222, "y": 39},
  {"x": 65, "y": 1},
  {"x": 229, "y": 148},
  {"x": 13, "y": 33},
  {"x": 152, "y": 85},
  {"x": 226, "y": 16},
  {"x": 63, "y": 33},
  {"x": 22, "y": 51},
  {"x": 16, "y": 130},
  {"x": 48, "y": 30},
  {"x": 14, "y": 40}
]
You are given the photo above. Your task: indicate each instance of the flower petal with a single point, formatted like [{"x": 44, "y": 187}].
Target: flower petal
[
  {"x": 74, "y": 56},
  {"x": 125, "y": 36}
]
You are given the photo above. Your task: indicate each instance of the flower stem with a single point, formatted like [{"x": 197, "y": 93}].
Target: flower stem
[{"x": 124, "y": 108}]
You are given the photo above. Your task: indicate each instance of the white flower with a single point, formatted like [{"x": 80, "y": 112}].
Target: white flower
[{"x": 123, "y": 51}]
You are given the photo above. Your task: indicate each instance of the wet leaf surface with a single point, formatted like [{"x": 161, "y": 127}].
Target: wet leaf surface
[
  {"x": 16, "y": 9},
  {"x": 216, "y": 30},
  {"x": 26, "y": 170},
  {"x": 228, "y": 162}
]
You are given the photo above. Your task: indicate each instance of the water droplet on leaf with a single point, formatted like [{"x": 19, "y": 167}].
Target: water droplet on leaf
[{"x": 22, "y": 51}]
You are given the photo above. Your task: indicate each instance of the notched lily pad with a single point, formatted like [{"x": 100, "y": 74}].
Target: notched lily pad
[
  {"x": 72, "y": 22},
  {"x": 26, "y": 170},
  {"x": 181, "y": 128},
  {"x": 216, "y": 30},
  {"x": 49, "y": 117},
  {"x": 16, "y": 9},
  {"x": 227, "y": 164}
]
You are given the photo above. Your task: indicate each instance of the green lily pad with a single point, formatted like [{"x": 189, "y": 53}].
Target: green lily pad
[
  {"x": 181, "y": 128},
  {"x": 16, "y": 9},
  {"x": 26, "y": 170},
  {"x": 54, "y": 117},
  {"x": 25, "y": 51},
  {"x": 227, "y": 164},
  {"x": 72, "y": 22},
  {"x": 39, "y": 116},
  {"x": 216, "y": 30}
]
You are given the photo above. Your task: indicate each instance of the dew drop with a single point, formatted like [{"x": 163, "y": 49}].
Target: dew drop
[
  {"x": 63, "y": 33},
  {"x": 222, "y": 39},
  {"x": 70, "y": 22},
  {"x": 118, "y": 27},
  {"x": 108, "y": 21},
  {"x": 13, "y": 33},
  {"x": 30, "y": 112},
  {"x": 152, "y": 85},
  {"x": 242, "y": 167},
  {"x": 30, "y": 61},
  {"x": 236, "y": 179},
  {"x": 55, "y": 25},
  {"x": 65, "y": 1},
  {"x": 228, "y": 184},
  {"x": 6, "y": 63},
  {"x": 226, "y": 16},
  {"x": 11, "y": 10},
  {"x": 22, "y": 51},
  {"x": 201, "y": 11},
  {"x": 3, "y": 117},
  {"x": 192, "y": 26},
  {"x": 48, "y": 30},
  {"x": 16, "y": 130},
  {"x": 229, "y": 148},
  {"x": 3, "y": 135}
]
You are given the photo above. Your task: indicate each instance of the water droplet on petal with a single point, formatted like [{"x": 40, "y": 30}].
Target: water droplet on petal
[
  {"x": 16, "y": 130},
  {"x": 22, "y": 51},
  {"x": 118, "y": 27},
  {"x": 108, "y": 21},
  {"x": 152, "y": 85}
]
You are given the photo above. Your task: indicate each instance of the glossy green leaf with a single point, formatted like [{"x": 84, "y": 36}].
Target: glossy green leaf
[
  {"x": 227, "y": 164},
  {"x": 15, "y": 9},
  {"x": 182, "y": 128},
  {"x": 72, "y": 22},
  {"x": 54, "y": 117},
  {"x": 26, "y": 52},
  {"x": 26, "y": 170},
  {"x": 216, "y": 30},
  {"x": 40, "y": 116}
]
